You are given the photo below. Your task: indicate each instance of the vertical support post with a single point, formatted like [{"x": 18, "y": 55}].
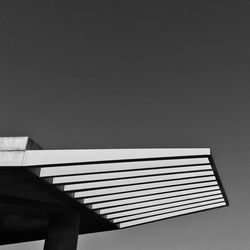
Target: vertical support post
[{"x": 62, "y": 231}]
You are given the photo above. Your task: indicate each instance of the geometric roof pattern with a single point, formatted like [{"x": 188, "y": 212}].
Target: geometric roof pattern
[{"x": 111, "y": 188}]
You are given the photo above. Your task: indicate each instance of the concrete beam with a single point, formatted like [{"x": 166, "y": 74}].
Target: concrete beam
[{"x": 12, "y": 150}]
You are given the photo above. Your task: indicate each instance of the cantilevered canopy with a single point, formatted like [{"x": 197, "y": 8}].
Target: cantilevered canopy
[{"x": 110, "y": 188}]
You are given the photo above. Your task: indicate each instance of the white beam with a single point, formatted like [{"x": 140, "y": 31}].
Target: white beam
[
  {"x": 151, "y": 197},
  {"x": 118, "y": 166},
  {"x": 159, "y": 207},
  {"x": 146, "y": 192},
  {"x": 169, "y": 215},
  {"x": 127, "y": 174},
  {"x": 115, "y": 190},
  {"x": 45, "y": 157},
  {"x": 164, "y": 211},
  {"x": 98, "y": 184},
  {"x": 156, "y": 202}
]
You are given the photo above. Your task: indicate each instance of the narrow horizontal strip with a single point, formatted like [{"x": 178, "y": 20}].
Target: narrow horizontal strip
[
  {"x": 45, "y": 157},
  {"x": 164, "y": 211},
  {"x": 115, "y": 190},
  {"x": 147, "y": 192},
  {"x": 118, "y": 166},
  {"x": 156, "y": 202},
  {"x": 151, "y": 197},
  {"x": 127, "y": 174},
  {"x": 130, "y": 181},
  {"x": 169, "y": 215},
  {"x": 159, "y": 207}
]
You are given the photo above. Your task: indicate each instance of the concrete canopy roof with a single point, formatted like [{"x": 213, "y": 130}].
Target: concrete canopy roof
[{"x": 110, "y": 188}]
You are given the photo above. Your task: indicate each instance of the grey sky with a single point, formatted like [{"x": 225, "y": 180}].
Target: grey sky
[{"x": 120, "y": 74}]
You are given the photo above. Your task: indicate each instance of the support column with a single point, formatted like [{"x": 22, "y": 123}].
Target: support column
[{"x": 62, "y": 232}]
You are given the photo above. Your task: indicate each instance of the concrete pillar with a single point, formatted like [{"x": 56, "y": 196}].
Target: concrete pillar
[{"x": 62, "y": 232}]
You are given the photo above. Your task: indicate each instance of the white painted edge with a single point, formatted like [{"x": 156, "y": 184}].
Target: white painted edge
[{"x": 43, "y": 157}]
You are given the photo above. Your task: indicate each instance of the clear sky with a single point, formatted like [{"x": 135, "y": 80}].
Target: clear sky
[{"x": 136, "y": 73}]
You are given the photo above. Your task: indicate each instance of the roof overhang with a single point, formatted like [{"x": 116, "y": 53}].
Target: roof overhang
[{"x": 110, "y": 188}]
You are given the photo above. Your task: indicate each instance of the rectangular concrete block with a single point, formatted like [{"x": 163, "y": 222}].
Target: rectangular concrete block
[{"x": 18, "y": 143}]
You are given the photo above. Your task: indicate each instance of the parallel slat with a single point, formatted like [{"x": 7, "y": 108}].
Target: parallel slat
[
  {"x": 127, "y": 174},
  {"x": 118, "y": 166},
  {"x": 164, "y": 211},
  {"x": 44, "y": 157},
  {"x": 138, "y": 180},
  {"x": 150, "y": 197},
  {"x": 156, "y": 202},
  {"x": 159, "y": 207},
  {"x": 147, "y": 186},
  {"x": 169, "y": 215},
  {"x": 147, "y": 192}
]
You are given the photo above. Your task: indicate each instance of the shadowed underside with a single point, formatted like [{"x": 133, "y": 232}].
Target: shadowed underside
[{"x": 110, "y": 188}]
